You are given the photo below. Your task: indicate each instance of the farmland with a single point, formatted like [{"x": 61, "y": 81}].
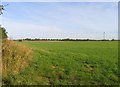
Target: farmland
[{"x": 69, "y": 62}]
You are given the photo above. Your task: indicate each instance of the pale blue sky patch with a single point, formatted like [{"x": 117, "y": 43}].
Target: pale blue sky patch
[
  {"x": 61, "y": 19},
  {"x": 60, "y": 0}
]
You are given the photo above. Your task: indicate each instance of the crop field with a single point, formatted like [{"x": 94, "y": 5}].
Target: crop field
[{"x": 67, "y": 62}]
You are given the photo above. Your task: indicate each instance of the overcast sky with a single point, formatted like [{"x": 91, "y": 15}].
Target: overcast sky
[{"x": 61, "y": 20}]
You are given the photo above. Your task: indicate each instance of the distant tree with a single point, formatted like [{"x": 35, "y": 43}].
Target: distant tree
[
  {"x": 28, "y": 39},
  {"x": 20, "y": 40},
  {"x": 112, "y": 40}
]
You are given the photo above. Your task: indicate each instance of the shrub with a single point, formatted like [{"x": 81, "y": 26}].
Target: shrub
[{"x": 3, "y": 32}]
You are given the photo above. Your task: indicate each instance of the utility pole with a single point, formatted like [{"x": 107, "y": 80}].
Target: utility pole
[{"x": 103, "y": 35}]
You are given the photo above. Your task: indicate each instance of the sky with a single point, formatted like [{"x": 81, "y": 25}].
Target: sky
[
  {"x": 60, "y": 0},
  {"x": 61, "y": 20}
]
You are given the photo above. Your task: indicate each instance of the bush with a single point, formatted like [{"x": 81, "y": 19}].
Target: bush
[
  {"x": 3, "y": 33},
  {"x": 15, "y": 57}
]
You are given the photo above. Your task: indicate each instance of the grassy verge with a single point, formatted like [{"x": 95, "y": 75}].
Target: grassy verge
[{"x": 14, "y": 59}]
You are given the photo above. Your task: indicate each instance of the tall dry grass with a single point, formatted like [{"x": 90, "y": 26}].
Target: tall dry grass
[{"x": 15, "y": 57}]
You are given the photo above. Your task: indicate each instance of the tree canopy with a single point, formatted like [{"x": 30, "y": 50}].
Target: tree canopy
[{"x": 3, "y": 33}]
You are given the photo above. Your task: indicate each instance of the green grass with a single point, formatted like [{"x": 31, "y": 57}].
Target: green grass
[{"x": 63, "y": 63}]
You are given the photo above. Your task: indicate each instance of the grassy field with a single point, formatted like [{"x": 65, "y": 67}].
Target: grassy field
[{"x": 62, "y": 63}]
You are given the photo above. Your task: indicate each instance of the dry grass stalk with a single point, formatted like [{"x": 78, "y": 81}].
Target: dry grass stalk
[{"x": 15, "y": 57}]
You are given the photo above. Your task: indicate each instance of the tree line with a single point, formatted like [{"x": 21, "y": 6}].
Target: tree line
[{"x": 67, "y": 39}]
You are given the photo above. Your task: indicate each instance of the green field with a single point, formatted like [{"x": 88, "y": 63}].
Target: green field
[{"x": 63, "y": 63}]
